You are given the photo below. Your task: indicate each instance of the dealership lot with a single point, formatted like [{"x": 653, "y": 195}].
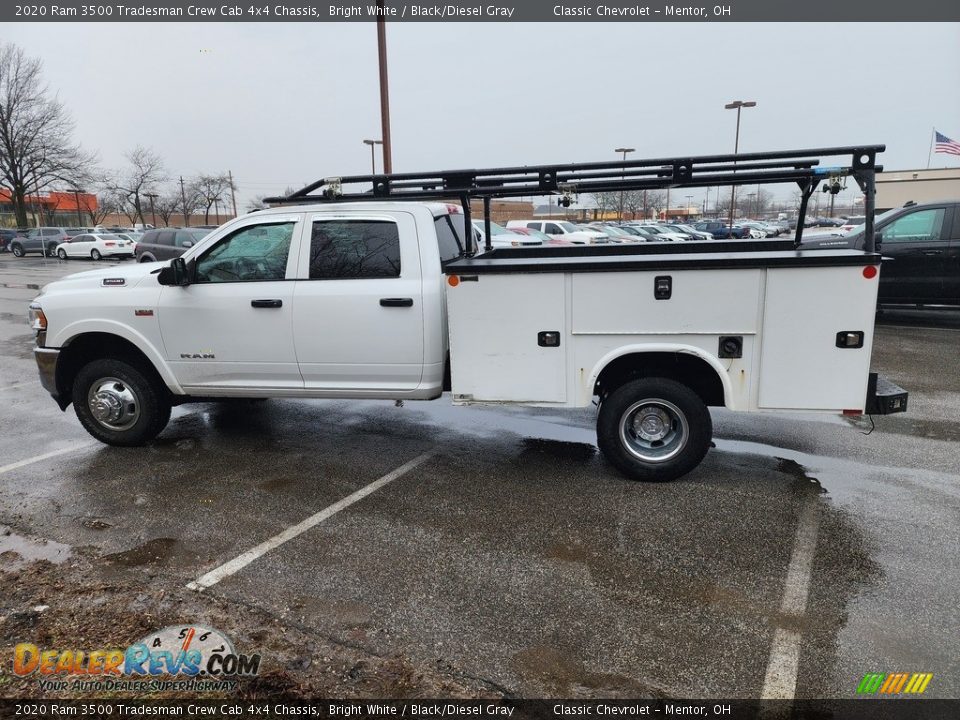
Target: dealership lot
[{"x": 802, "y": 554}]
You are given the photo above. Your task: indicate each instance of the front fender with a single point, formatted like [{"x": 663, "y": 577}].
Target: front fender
[{"x": 111, "y": 327}]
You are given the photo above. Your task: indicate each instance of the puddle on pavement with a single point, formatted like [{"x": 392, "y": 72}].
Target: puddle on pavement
[
  {"x": 152, "y": 552},
  {"x": 803, "y": 481},
  {"x": 19, "y": 550}
]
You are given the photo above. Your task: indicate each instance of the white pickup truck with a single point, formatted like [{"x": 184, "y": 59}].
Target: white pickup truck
[{"x": 380, "y": 299}]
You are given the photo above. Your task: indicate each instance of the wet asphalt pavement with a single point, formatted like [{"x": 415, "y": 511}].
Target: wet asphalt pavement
[{"x": 516, "y": 555}]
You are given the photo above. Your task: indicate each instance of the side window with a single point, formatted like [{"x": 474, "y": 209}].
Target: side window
[
  {"x": 164, "y": 238},
  {"x": 533, "y": 225},
  {"x": 919, "y": 226},
  {"x": 448, "y": 239},
  {"x": 354, "y": 249},
  {"x": 252, "y": 253},
  {"x": 552, "y": 229}
]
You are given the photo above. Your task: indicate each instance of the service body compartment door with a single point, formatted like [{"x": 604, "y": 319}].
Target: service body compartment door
[
  {"x": 801, "y": 367},
  {"x": 496, "y": 327}
]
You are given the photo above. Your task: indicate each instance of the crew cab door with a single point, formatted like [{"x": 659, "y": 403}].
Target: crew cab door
[
  {"x": 917, "y": 247},
  {"x": 231, "y": 327},
  {"x": 358, "y": 307}
]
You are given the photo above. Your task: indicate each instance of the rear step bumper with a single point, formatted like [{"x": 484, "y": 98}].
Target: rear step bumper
[{"x": 884, "y": 397}]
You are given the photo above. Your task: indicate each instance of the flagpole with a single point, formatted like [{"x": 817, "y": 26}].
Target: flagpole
[{"x": 933, "y": 135}]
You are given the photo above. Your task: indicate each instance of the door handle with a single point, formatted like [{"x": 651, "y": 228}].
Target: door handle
[
  {"x": 396, "y": 302},
  {"x": 266, "y": 303}
]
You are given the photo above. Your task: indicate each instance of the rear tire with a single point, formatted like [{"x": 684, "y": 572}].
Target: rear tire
[
  {"x": 119, "y": 402},
  {"x": 654, "y": 429},
  {"x": 95, "y": 254}
]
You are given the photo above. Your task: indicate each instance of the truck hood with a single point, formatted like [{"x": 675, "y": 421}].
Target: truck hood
[{"x": 113, "y": 276}]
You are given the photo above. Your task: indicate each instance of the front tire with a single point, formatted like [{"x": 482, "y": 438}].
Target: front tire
[
  {"x": 120, "y": 403},
  {"x": 654, "y": 429},
  {"x": 62, "y": 254},
  {"x": 17, "y": 250}
]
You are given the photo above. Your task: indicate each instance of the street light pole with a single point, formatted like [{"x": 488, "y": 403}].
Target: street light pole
[
  {"x": 623, "y": 150},
  {"x": 737, "y": 105},
  {"x": 373, "y": 157}
]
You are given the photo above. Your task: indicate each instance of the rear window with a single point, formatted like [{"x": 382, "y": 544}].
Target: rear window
[{"x": 449, "y": 237}]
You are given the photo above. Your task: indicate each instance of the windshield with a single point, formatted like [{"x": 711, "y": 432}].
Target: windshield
[{"x": 567, "y": 226}]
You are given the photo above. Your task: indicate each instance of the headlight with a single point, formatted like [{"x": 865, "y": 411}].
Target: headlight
[{"x": 38, "y": 321}]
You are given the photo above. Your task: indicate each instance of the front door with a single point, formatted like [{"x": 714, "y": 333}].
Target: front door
[
  {"x": 358, "y": 309},
  {"x": 916, "y": 246},
  {"x": 232, "y": 326}
]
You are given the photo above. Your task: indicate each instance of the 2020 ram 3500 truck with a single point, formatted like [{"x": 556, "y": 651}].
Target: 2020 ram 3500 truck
[{"x": 380, "y": 299}]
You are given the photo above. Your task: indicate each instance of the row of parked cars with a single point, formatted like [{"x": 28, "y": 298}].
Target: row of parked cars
[
  {"x": 519, "y": 233},
  {"x": 100, "y": 242}
]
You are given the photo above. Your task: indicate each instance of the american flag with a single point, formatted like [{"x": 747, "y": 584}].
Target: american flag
[{"x": 946, "y": 145}]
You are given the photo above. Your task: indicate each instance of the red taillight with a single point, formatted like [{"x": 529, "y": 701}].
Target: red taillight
[
  {"x": 109, "y": 244},
  {"x": 870, "y": 272}
]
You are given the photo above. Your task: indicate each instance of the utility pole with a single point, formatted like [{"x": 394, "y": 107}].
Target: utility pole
[
  {"x": 384, "y": 88},
  {"x": 737, "y": 105},
  {"x": 153, "y": 214},
  {"x": 183, "y": 200},
  {"x": 623, "y": 150},
  {"x": 233, "y": 195}
]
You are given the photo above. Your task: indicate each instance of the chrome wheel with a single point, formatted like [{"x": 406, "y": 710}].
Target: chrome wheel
[
  {"x": 62, "y": 253},
  {"x": 113, "y": 404},
  {"x": 95, "y": 254},
  {"x": 653, "y": 430}
]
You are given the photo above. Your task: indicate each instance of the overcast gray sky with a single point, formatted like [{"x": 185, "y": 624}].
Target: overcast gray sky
[{"x": 283, "y": 104}]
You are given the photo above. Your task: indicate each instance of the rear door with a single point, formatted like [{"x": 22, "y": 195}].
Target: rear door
[
  {"x": 358, "y": 305},
  {"x": 79, "y": 246},
  {"x": 916, "y": 247}
]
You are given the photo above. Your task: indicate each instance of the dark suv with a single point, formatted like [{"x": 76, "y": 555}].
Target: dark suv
[
  {"x": 720, "y": 231},
  {"x": 43, "y": 240},
  {"x": 920, "y": 245},
  {"x": 167, "y": 243}
]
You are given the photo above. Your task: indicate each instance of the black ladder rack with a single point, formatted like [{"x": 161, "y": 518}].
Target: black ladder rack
[{"x": 802, "y": 167}]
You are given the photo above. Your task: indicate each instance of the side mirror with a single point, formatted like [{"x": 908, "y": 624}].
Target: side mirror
[{"x": 174, "y": 274}]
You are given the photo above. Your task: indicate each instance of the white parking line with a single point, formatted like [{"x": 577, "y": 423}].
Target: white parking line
[
  {"x": 16, "y": 385},
  {"x": 45, "y": 456},
  {"x": 241, "y": 561},
  {"x": 781, "y": 680}
]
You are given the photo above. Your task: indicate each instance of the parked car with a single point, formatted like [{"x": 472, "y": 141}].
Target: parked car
[
  {"x": 72, "y": 231},
  {"x": 561, "y": 229},
  {"x": 920, "y": 245},
  {"x": 543, "y": 237},
  {"x": 721, "y": 231},
  {"x": 95, "y": 246},
  {"x": 851, "y": 223},
  {"x": 755, "y": 229},
  {"x": 614, "y": 233},
  {"x": 6, "y": 237},
  {"x": 665, "y": 234},
  {"x": 43, "y": 240},
  {"x": 501, "y": 237},
  {"x": 690, "y": 231},
  {"x": 639, "y": 234},
  {"x": 167, "y": 243}
]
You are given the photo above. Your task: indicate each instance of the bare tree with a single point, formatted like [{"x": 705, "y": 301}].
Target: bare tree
[
  {"x": 656, "y": 200},
  {"x": 143, "y": 174},
  {"x": 105, "y": 206},
  {"x": 167, "y": 204},
  {"x": 606, "y": 201},
  {"x": 633, "y": 203},
  {"x": 211, "y": 189},
  {"x": 36, "y": 150}
]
